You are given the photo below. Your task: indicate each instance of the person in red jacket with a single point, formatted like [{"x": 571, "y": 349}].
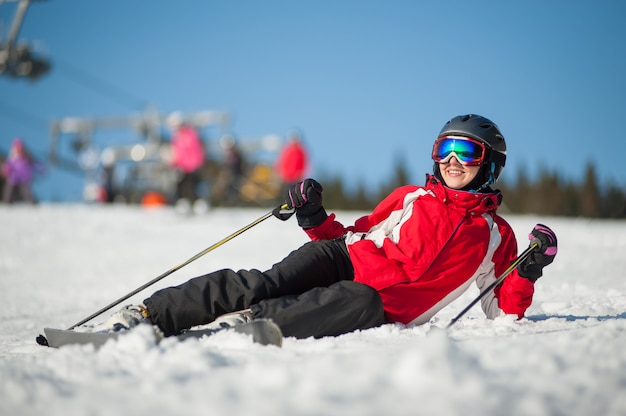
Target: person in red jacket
[
  {"x": 293, "y": 162},
  {"x": 418, "y": 250}
]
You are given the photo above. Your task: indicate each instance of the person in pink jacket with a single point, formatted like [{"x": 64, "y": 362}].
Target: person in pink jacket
[
  {"x": 188, "y": 157},
  {"x": 418, "y": 250}
]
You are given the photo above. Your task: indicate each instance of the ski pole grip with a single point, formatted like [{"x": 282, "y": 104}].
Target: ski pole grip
[
  {"x": 538, "y": 245},
  {"x": 283, "y": 212}
]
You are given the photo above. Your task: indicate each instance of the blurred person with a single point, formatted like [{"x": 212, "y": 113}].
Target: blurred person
[
  {"x": 293, "y": 161},
  {"x": 19, "y": 170},
  {"x": 106, "y": 177},
  {"x": 231, "y": 175},
  {"x": 188, "y": 157},
  {"x": 419, "y": 249},
  {"x": 2, "y": 178}
]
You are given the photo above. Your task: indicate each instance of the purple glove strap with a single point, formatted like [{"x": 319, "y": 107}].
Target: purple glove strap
[
  {"x": 294, "y": 204},
  {"x": 304, "y": 197}
]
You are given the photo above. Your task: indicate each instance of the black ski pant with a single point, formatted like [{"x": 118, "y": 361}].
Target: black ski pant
[{"x": 310, "y": 293}]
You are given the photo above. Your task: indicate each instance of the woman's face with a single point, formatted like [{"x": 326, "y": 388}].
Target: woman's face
[{"x": 456, "y": 175}]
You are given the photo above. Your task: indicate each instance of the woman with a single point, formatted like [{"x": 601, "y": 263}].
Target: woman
[
  {"x": 19, "y": 170},
  {"x": 419, "y": 249}
]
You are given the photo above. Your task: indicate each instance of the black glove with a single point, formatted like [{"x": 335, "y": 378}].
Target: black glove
[
  {"x": 532, "y": 267},
  {"x": 306, "y": 198}
]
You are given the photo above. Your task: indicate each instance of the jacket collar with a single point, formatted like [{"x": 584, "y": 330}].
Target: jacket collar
[{"x": 482, "y": 202}]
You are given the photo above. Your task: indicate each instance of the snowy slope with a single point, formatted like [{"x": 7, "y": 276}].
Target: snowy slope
[{"x": 60, "y": 263}]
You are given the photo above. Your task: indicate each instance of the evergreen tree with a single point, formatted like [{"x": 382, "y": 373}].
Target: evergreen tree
[
  {"x": 520, "y": 198},
  {"x": 614, "y": 202},
  {"x": 400, "y": 178},
  {"x": 334, "y": 194},
  {"x": 571, "y": 194},
  {"x": 590, "y": 195},
  {"x": 361, "y": 201},
  {"x": 548, "y": 194}
]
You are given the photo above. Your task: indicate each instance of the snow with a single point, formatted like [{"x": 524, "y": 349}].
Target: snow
[{"x": 61, "y": 263}]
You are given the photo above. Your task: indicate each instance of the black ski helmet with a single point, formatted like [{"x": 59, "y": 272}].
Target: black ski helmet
[{"x": 486, "y": 131}]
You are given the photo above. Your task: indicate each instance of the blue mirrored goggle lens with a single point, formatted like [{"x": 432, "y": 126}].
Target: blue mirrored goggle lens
[{"x": 467, "y": 151}]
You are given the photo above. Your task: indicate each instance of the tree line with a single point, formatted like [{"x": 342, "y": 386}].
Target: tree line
[{"x": 548, "y": 194}]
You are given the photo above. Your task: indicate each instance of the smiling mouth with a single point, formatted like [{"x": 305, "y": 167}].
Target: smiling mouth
[{"x": 454, "y": 172}]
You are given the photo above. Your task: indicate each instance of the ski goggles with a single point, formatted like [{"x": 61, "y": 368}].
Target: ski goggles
[{"x": 469, "y": 152}]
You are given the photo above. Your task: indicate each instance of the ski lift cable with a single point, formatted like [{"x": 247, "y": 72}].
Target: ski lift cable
[
  {"x": 24, "y": 118},
  {"x": 99, "y": 85}
]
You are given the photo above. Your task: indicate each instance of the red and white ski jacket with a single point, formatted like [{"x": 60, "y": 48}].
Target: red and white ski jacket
[{"x": 423, "y": 246}]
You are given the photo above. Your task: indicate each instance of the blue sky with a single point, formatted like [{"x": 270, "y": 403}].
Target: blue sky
[{"x": 366, "y": 82}]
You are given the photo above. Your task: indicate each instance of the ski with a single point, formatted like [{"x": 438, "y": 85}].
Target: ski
[{"x": 262, "y": 331}]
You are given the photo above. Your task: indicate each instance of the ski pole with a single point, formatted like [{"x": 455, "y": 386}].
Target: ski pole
[
  {"x": 535, "y": 244},
  {"x": 180, "y": 266}
]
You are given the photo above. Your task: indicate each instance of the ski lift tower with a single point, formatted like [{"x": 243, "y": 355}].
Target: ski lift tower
[{"x": 144, "y": 163}]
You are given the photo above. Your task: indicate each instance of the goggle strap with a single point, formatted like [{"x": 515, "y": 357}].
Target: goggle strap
[{"x": 497, "y": 157}]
